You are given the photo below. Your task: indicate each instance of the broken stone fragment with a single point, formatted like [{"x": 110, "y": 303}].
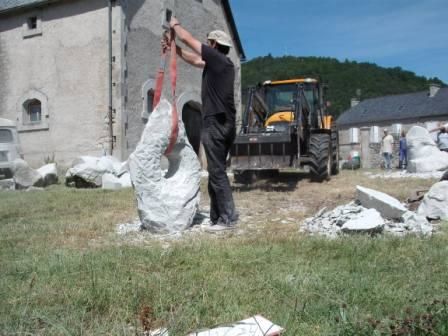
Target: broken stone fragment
[
  {"x": 435, "y": 202},
  {"x": 416, "y": 223},
  {"x": 367, "y": 221},
  {"x": 388, "y": 206}
]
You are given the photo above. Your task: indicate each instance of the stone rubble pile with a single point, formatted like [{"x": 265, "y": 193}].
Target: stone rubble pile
[{"x": 373, "y": 212}]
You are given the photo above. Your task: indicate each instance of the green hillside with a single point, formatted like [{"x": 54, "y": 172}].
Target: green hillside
[{"x": 345, "y": 79}]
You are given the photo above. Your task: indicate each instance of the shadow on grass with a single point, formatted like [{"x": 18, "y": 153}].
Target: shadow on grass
[{"x": 276, "y": 182}]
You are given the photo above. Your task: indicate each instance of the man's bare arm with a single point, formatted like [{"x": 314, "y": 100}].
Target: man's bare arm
[
  {"x": 186, "y": 36},
  {"x": 190, "y": 57}
]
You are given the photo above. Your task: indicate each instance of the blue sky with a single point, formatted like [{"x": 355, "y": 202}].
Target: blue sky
[{"x": 411, "y": 34}]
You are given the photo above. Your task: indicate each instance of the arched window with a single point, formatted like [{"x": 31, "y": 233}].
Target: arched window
[{"x": 34, "y": 111}]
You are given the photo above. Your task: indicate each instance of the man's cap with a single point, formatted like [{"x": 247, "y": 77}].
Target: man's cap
[
  {"x": 385, "y": 130},
  {"x": 220, "y": 37}
]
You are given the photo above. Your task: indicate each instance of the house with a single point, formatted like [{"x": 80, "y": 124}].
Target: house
[
  {"x": 78, "y": 75},
  {"x": 361, "y": 126}
]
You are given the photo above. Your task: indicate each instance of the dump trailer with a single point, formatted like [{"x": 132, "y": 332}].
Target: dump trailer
[{"x": 285, "y": 126}]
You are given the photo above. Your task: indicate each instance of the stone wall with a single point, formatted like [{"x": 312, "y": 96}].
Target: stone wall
[
  {"x": 370, "y": 151},
  {"x": 63, "y": 62},
  {"x": 144, "y": 20}
]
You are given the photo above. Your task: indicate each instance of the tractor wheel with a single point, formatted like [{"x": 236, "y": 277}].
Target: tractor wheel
[
  {"x": 320, "y": 157},
  {"x": 335, "y": 152}
]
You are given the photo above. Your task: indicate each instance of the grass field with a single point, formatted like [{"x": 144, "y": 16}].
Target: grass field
[{"x": 65, "y": 270}]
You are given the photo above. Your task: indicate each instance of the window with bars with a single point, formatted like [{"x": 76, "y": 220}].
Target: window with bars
[
  {"x": 33, "y": 112},
  {"x": 375, "y": 135},
  {"x": 396, "y": 130},
  {"x": 354, "y": 135},
  {"x": 32, "y": 26}
]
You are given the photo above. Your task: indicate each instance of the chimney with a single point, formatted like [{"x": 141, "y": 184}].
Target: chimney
[
  {"x": 354, "y": 102},
  {"x": 433, "y": 89}
]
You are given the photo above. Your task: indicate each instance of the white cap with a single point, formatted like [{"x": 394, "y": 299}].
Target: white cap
[{"x": 220, "y": 37}]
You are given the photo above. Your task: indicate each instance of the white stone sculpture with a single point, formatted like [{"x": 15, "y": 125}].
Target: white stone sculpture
[
  {"x": 166, "y": 202},
  {"x": 423, "y": 154}
]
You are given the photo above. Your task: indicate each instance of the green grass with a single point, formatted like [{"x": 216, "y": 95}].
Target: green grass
[{"x": 64, "y": 272}]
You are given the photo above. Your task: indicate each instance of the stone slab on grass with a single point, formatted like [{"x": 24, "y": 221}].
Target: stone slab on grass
[
  {"x": 387, "y": 206},
  {"x": 367, "y": 221}
]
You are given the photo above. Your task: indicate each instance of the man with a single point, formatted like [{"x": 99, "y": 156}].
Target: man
[
  {"x": 442, "y": 138},
  {"x": 218, "y": 112},
  {"x": 386, "y": 148}
]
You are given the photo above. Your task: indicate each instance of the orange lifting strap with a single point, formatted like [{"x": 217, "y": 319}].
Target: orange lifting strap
[{"x": 158, "y": 90}]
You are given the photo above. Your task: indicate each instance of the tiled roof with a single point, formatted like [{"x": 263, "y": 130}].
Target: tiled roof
[
  {"x": 397, "y": 107},
  {"x": 9, "y": 5}
]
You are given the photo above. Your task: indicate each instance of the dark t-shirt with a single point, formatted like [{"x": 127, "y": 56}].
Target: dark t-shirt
[{"x": 217, "y": 84}]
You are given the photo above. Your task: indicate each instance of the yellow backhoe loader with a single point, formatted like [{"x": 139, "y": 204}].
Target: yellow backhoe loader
[{"x": 285, "y": 126}]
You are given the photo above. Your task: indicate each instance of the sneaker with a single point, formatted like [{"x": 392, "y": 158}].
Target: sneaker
[{"x": 219, "y": 228}]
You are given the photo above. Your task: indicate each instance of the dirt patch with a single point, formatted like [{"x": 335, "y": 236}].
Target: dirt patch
[{"x": 280, "y": 205}]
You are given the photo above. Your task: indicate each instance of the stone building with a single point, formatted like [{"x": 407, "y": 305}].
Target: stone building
[
  {"x": 78, "y": 75},
  {"x": 361, "y": 126}
]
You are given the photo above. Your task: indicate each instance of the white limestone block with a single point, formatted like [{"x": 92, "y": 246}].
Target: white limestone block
[
  {"x": 166, "y": 202},
  {"x": 49, "y": 173},
  {"x": 388, "y": 206},
  {"x": 91, "y": 169},
  {"x": 417, "y": 223},
  {"x": 125, "y": 180},
  {"x": 435, "y": 202},
  {"x": 110, "y": 182},
  {"x": 25, "y": 176},
  {"x": 369, "y": 220},
  {"x": 423, "y": 153}
]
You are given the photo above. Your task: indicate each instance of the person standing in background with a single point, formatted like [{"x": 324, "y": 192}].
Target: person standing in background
[
  {"x": 387, "y": 144},
  {"x": 403, "y": 157},
  {"x": 442, "y": 138}
]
